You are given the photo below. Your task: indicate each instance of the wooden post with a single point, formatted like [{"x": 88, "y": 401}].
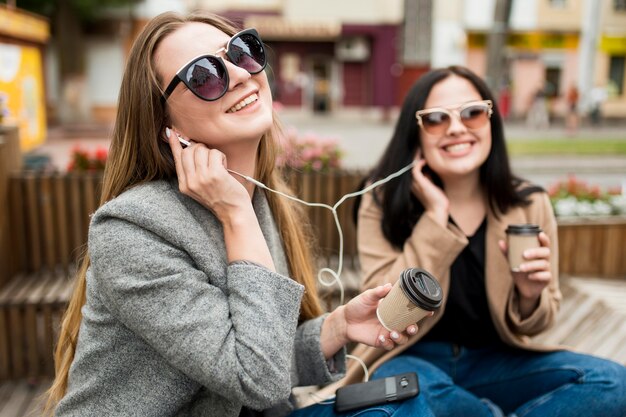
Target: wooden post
[{"x": 10, "y": 161}]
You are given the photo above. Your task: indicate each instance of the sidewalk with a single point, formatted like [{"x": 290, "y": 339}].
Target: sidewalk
[{"x": 364, "y": 135}]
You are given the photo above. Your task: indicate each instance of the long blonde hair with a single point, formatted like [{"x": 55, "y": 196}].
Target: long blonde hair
[{"x": 138, "y": 155}]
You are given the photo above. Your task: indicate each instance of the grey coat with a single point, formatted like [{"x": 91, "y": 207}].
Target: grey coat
[{"x": 170, "y": 328}]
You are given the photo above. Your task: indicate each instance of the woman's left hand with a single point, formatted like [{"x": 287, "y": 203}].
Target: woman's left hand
[
  {"x": 357, "y": 321},
  {"x": 535, "y": 274}
]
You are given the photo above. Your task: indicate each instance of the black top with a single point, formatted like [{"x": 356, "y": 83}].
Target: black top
[{"x": 466, "y": 319}]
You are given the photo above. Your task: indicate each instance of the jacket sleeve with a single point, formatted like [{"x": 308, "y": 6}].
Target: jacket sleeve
[
  {"x": 430, "y": 246},
  {"x": 309, "y": 365},
  {"x": 231, "y": 340},
  {"x": 544, "y": 315}
]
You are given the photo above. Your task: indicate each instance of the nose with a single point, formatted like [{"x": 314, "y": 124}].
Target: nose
[
  {"x": 456, "y": 125},
  {"x": 236, "y": 75}
]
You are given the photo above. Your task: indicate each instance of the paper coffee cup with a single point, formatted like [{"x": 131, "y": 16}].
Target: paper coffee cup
[
  {"x": 413, "y": 296},
  {"x": 519, "y": 238}
]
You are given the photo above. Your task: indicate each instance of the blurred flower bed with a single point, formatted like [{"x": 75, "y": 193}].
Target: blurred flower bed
[
  {"x": 574, "y": 197},
  {"x": 85, "y": 161},
  {"x": 308, "y": 152}
]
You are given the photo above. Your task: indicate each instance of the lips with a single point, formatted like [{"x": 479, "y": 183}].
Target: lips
[{"x": 243, "y": 103}]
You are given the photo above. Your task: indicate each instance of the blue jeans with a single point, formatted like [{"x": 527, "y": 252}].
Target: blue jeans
[
  {"x": 497, "y": 381},
  {"x": 501, "y": 380}
]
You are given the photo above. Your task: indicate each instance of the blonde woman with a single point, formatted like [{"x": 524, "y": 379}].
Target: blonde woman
[{"x": 198, "y": 297}]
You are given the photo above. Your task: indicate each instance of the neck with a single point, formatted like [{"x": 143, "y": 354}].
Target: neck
[
  {"x": 243, "y": 161},
  {"x": 467, "y": 202},
  {"x": 463, "y": 189}
]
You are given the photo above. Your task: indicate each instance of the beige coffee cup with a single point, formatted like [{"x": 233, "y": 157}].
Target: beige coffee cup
[
  {"x": 413, "y": 297},
  {"x": 519, "y": 238}
]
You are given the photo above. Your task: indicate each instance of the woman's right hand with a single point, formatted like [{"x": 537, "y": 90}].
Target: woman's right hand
[
  {"x": 202, "y": 175},
  {"x": 432, "y": 197}
]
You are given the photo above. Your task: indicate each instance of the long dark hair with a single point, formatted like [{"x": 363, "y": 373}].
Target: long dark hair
[{"x": 401, "y": 209}]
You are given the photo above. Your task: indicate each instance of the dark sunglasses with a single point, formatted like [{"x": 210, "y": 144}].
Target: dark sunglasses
[
  {"x": 206, "y": 75},
  {"x": 437, "y": 120}
]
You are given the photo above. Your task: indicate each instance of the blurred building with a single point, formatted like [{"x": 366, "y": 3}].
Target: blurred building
[
  {"x": 327, "y": 55},
  {"x": 23, "y": 38},
  {"x": 551, "y": 45},
  {"x": 364, "y": 54}
]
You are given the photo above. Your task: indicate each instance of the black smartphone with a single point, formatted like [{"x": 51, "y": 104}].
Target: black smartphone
[{"x": 377, "y": 391}]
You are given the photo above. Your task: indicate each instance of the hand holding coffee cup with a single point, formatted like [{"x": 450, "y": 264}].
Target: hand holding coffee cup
[
  {"x": 529, "y": 258},
  {"x": 521, "y": 237},
  {"x": 414, "y": 296}
]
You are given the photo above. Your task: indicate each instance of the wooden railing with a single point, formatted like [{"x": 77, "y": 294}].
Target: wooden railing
[
  {"x": 593, "y": 247},
  {"x": 49, "y": 217}
]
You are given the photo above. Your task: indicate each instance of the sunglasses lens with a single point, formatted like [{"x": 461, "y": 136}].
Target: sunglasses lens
[
  {"x": 435, "y": 122},
  {"x": 207, "y": 78},
  {"x": 247, "y": 52},
  {"x": 475, "y": 116}
]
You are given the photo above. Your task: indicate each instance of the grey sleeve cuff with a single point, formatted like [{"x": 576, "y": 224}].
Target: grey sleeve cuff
[{"x": 310, "y": 367}]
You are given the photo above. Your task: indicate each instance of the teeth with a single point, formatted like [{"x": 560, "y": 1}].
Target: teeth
[
  {"x": 243, "y": 103},
  {"x": 457, "y": 147}
]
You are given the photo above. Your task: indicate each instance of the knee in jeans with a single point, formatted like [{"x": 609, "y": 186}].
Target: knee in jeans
[{"x": 615, "y": 376}]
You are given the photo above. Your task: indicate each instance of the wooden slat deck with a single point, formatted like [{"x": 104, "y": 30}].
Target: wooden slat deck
[{"x": 592, "y": 319}]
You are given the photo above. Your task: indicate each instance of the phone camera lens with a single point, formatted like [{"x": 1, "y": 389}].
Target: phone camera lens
[{"x": 403, "y": 382}]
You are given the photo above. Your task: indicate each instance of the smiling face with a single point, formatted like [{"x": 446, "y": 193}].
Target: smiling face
[
  {"x": 458, "y": 151},
  {"x": 242, "y": 115}
]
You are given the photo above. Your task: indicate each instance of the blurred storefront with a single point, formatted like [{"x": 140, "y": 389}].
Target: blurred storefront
[
  {"x": 554, "y": 45},
  {"x": 323, "y": 66},
  {"x": 545, "y": 61},
  {"x": 23, "y": 38}
]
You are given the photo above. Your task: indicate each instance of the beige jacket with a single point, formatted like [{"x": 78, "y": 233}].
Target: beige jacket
[{"x": 434, "y": 248}]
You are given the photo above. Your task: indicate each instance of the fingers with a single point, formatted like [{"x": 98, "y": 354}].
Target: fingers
[
  {"x": 177, "y": 150},
  {"x": 389, "y": 340},
  {"x": 540, "y": 276},
  {"x": 385, "y": 342},
  {"x": 503, "y": 247},
  {"x": 373, "y": 296},
  {"x": 535, "y": 265},
  {"x": 398, "y": 338},
  {"x": 544, "y": 239},
  {"x": 537, "y": 253},
  {"x": 417, "y": 173}
]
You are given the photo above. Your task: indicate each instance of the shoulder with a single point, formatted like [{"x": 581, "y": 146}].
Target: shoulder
[
  {"x": 155, "y": 199},
  {"x": 538, "y": 208},
  {"x": 157, "y": 206}
]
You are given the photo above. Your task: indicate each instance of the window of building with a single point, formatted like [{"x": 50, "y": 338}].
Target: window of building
[
  {"x": 616, "y": 74},
  {"x": 619, "y": 5}
]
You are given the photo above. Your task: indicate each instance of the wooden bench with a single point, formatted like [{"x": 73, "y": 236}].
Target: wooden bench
[
  {"x": 49, "y": 217},
  {"x": 31, "y": 307}
]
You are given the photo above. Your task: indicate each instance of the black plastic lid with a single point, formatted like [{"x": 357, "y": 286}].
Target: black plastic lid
[
  {"x": 421, "y": 287},
  {"x": 523, "y": 229}
]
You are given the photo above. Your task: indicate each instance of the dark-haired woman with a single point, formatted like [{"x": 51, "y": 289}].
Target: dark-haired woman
[{"x": 474, "y": 357}]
